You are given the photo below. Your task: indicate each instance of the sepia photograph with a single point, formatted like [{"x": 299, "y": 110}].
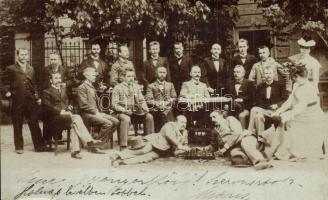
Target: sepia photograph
[{"x": 164, "y": 99}]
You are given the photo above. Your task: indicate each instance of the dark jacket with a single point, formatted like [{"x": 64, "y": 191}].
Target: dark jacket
[
  {"x": 246, "y": 92},
  {"x": 149, "y": 74},
  {"x": 249, "y": 62},
  {"x": 180, "y": 73},
  {"x": 65, "y": 74},
  {"x": 102, "y": 70},
  {"x": 278, "y": 95},
  {"x": 53, "y": 101},
  {"x": 216, "y": 79},
  {"x": 22, "y": 85}
]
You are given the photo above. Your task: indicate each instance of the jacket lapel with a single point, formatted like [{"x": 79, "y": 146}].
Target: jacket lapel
[
  {"x": 247, "y": 59},
  {"x": 221, "y": 65}
]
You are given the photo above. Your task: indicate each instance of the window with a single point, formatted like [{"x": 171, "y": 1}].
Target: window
[{"x": 255, "y": 39}]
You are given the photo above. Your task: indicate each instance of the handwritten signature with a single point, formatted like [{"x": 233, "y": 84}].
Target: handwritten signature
[{"x": 201, "y": 185}]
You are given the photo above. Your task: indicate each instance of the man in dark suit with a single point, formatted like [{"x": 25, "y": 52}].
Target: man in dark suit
[
  {"x": 90, "y": 110},
  {"x": 243, "y": 58},
  {"x": 180, "y": 66},
  {"x": 150, "y": 66},
  {"x": 68, "y": 79},
  {"x": 54, "y": 67},
  {"x": 20, "y": 78},
  {"x": 159, "y": 97},
  {"x": 100, "y": 65},
  {"x": 242, "y": 91},
  {"x": 216, "y": 71},
  {"x": 269, "y": 96},
  {"x": 58, "y": 116}
]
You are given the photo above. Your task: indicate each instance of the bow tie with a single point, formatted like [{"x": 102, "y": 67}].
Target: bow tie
[
  {"x": 178, "y": 59},
  {"x": 268, "y": 85},
  {"x": 238, "y": 82}
]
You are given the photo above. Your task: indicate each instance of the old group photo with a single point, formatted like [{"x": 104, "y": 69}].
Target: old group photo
[{"x": 242, "y": 84}]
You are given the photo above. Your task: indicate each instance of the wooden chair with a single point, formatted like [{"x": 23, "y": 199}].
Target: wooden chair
[
  {"x": 94, "y": 131},
  {"x": 66, "y": 140}
]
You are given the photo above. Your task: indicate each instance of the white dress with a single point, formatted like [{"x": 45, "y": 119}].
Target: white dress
[
  {"x": 312, "y": 65},
  {"x": 306, "y": 124}
]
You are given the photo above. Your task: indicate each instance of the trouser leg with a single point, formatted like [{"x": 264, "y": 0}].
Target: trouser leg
[
  {"x": 115, "y": 123},
  {"x": 106, "y": 126},
  {"x": 243, "y": 118},
  {"x": 148, "y": 124},
  {"x": 125, "y": 122},
  {"x": 33, "y": 123},
  {"x": 249, "y": 145},
  {"x": 75, "y": 142},
  {"x": 80, "y": 129},
  {"x": 259, "y": 123},
  {"x": 141, "y": 158},
  {"x": 160, "y": 119},
  {"x": 17, "y": 118},
  {"x": 251, "y": 124}
]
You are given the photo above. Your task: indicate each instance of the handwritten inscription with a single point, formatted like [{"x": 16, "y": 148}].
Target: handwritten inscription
[{"x": 200, "y": 185}]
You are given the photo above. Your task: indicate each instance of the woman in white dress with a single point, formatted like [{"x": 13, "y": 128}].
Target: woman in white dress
[
  {"x": 312, "y": 65},
  {"x": 304, "y": 120}
]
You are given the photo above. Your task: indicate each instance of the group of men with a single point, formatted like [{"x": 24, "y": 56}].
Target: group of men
[{"x": 257, "y": 88}]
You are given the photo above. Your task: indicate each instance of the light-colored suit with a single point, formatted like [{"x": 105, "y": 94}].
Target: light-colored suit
[
  {"x": 159, "y": 97},
  {"x": 169, "y": 137},
  {"x": 87, "y": 101},
  {"x": 161, "y": 93},
  {"x": 117, "y": 70},
  {"x": 230, "y": 135},
  {"x": 191, "y": 90},
  {"x": 257, "y": 72},
  {"x": 125, "y": 98}
]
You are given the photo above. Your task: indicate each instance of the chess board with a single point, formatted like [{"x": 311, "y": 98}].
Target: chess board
[{"x": 197, "y": 153}]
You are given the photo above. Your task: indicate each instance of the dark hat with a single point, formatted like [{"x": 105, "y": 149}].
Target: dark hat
[{"x": 136, "y": 143}]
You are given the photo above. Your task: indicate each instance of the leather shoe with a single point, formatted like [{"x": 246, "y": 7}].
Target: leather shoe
[
  {"x": 95, "y": 150},
  {"x": 44, "y": 149},
  {"x": 76, "y": 155},
  {"x": 19, "y": 151},
  {"x": 262, "y": 165},
  {"x": 95, "y": 143}
]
